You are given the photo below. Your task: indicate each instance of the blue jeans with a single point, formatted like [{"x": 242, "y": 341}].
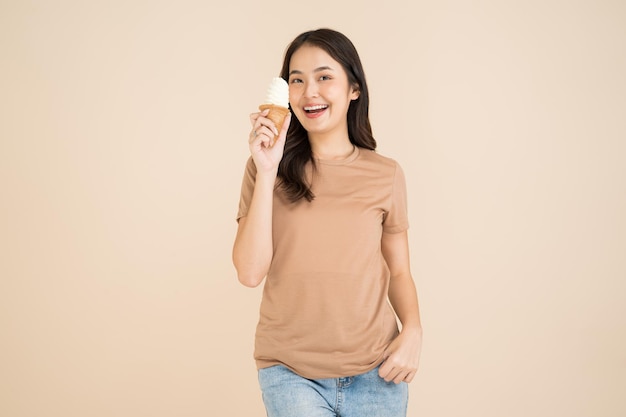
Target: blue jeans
[{"x": 286, "y": 394}]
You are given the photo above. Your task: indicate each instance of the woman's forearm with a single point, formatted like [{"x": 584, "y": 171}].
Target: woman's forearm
[{"x": 403, "y": 298}]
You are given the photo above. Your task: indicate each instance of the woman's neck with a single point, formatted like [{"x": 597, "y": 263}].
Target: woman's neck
[{"x": 329, "y": 148}]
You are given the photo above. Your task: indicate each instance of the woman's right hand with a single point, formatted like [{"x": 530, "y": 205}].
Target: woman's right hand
[{"x": 265, "y": 152}]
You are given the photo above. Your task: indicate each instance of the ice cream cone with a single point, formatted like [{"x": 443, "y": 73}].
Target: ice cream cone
[{"x": 277, "y": 101}]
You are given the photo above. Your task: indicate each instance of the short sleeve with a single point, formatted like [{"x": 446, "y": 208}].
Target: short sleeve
[
  {"x": 396, "y": 219},
  {"x": 247, "y": 188}
]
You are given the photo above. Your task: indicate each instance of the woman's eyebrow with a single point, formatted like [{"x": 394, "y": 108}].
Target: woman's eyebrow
[
  {"x": 324, "y": 68},
  {"x": 318, "y": 69}
]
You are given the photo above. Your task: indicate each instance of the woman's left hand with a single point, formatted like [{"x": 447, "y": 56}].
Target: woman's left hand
[{"x": 402, "y": 357}]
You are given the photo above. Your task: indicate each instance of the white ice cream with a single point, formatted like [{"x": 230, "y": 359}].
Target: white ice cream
[{"x": 278, "y": 93}]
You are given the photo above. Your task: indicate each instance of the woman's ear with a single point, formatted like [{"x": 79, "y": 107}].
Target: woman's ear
[{"x": 355, "y": 93}]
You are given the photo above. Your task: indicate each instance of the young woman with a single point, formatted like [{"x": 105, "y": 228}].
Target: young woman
[{"x": 323, "y": 218}]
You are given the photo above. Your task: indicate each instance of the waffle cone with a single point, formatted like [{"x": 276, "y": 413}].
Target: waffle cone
[{"x": 277, "y": 115}]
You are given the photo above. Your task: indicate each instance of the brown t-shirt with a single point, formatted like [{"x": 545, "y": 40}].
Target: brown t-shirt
[{"x": 325, "y": 312}]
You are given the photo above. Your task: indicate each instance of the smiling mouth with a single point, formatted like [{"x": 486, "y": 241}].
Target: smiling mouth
[{"x": 315, "y": 109}]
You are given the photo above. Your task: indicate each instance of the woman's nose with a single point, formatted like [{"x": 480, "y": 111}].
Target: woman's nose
[{"x": 310, "y": 90}]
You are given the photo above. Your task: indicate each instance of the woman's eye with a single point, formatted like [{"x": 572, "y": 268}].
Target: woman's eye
[
  {"x": 295, "y": 80},
  {"x": 325, "y": 77}
]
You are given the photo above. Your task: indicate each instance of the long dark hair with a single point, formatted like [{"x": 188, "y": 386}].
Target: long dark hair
[{"x": 298, "y": 152}]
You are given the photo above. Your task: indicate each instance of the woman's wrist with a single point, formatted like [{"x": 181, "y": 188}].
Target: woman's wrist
[{"x": 266, "y": 177}]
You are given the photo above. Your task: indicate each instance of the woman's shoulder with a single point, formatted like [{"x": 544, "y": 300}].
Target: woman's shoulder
[{"x": 373, "y": 157}]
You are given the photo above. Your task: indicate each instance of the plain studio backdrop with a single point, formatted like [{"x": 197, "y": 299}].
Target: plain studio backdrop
[{"x": 123, "y": 136}]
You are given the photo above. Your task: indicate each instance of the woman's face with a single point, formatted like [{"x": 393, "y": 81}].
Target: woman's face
[{"x": 319, "y": 91}]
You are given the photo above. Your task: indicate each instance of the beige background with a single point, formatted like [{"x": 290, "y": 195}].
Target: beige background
[{"x": 123, "y": 129}]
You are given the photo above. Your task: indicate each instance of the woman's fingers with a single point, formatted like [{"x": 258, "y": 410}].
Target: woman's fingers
[
  {"x": 254, "y": 116},
  {"x": 261, "y": 134},
  {"x": 397, "y": 375},
  {"x": 265, "y": 133},
  {"x": 259, "y": 119},
  {"x": 263, "y": 129},
  {"x": 265, "y": 122},
  {"x": 409, "y": 377}
]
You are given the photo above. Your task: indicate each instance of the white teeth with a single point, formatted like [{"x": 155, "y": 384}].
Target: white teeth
[{"x": 317, "y": 107}]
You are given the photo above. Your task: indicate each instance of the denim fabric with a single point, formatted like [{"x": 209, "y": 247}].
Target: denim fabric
[{"x": 286, "y": 394}]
